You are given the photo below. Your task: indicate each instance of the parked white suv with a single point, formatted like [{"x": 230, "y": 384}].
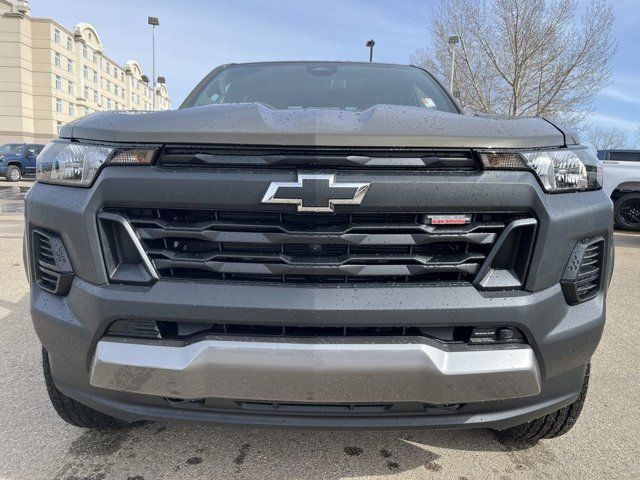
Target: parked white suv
[{"x": 622, "y": 183}]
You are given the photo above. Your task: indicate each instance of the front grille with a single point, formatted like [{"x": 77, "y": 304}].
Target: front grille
[
  {"x": 204, "y": 156},
  {"x": 313, "y": 247},
  {"x": 170, "y": 330}
]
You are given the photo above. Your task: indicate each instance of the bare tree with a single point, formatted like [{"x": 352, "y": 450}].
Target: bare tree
[
  {"x": 523, "y": 57},
  {"x": 605, "y": 138}
]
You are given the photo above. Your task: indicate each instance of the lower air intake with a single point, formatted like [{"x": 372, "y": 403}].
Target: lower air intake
[
  {"x": 583, "y": 275},
  {"x": 51, "y": 266}
]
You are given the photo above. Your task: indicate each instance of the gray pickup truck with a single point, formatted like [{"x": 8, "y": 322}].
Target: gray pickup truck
[{"x": 319, "y": 244}]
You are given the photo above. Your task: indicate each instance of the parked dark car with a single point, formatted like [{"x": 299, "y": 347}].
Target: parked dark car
[
  {"x": 18, "y": 160},
  {"x": 319, "y": 244}
]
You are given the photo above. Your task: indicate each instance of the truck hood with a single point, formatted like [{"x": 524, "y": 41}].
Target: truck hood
[{"x": 256, "y": 124}]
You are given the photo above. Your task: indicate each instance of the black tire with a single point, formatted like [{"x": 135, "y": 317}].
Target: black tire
[
  {"x": 13, "y": 173},
  {"x": 550, "y": 426},
  {"x": 627, "y": 212},
  {"x": 74, "y": 412}
]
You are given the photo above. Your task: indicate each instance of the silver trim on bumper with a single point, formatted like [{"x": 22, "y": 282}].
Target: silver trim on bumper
[{"x": 354, "y": 371}]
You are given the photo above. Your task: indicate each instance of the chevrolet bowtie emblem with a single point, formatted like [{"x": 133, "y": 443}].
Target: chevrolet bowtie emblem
[{"x": 316, "y": 193}]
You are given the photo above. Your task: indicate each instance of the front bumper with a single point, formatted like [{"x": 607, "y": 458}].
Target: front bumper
[{"x": 546, "y": 375}]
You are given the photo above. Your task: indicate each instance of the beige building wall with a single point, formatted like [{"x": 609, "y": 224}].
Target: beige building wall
[
  {"x": 16, "y": 88},
  {"x": 50, "y": 75}
]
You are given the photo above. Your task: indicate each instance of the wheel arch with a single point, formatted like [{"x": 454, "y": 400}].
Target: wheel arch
[
  {"x": 16, "y": 163},
  {"x": 624, "y": 188}
]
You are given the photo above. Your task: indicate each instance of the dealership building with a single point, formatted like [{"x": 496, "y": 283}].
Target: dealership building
[{"x": 50, "y": 76}]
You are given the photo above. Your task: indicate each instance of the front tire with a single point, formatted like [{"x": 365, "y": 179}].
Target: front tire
[
  {"x": 627, "y": 212},
  {"x": 13, "y": 173},
  {"x": 74, "y": 412},
  {"x": 550, "y": 426}
]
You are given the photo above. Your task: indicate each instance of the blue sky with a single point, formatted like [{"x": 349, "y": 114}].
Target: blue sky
[{"x": 195, "y": 36}]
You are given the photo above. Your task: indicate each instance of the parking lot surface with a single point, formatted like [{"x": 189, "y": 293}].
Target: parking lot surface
[{"x": 36, "y": 444}]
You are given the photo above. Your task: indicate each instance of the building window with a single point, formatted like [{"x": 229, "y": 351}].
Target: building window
[
  {"x": 86, "y": 93},
  {"x": 56, "y": 36},
  {"x": 85, "y": 72},
  {"x": 95, "y": 77},
  {"x": 58, "y": 83},
  {"x": 115, "y": 73},
  {"x": 108, "y": 104},
  {"x": 115, "y": 89},
  {"x": 58, "y": 105},
  {"x": 69, "y": 65},
  {"x": 122, "y": 76},
  {"x": 85, "y": 51},
  {"x": 69, "y": 44},
  {"x": 95, "y": 96},
  {"x": 70, "y": 88},
  {"x": 108, "y": 68},
  {"x": 71, "y": 111},
  {"x": 58, "y": 60},
  {"x": 86, "y": 110},
  {"x": 108, "y": 86},
  {"x": 94, "y": 57},
  {"x": 58, "y": 126}
]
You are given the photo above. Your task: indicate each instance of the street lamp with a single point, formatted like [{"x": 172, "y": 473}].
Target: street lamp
[
  {"x": 453, "y": 40},
  {"x": 370, "y": 43},
  {"x": 154, "y": 22}
]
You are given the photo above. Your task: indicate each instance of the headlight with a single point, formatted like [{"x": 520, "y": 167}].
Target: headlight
[
  {"x": 73, "y": 163},
  {"x": 560, "y": 170}
]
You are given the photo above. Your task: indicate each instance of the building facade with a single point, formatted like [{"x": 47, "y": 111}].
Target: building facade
[{"x": 50, "y": 75}]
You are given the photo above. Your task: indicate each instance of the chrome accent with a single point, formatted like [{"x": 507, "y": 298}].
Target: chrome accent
[
  {"x": 305, "y": 370},
  {"x": 114, "y": 217},
  {"x": 270, "y": 195}
]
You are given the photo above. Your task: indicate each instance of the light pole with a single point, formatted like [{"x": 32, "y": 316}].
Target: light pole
[
  {"x": 370, "y": 43},
  {"x": 453, "y": 40},
  {"x": 153, "y": 21},
  {"x": 161, "y": 81}
]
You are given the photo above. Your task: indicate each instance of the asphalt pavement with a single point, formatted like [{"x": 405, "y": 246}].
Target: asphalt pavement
[{"x": 36, "y": 444}]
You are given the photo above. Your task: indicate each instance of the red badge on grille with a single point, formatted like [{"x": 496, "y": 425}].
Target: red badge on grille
[{"x": 449, "y": 219}]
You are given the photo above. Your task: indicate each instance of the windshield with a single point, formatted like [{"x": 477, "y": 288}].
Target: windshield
[
  {"x": 11, "y": 148},
  {"x": 287, "y": 86}
]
